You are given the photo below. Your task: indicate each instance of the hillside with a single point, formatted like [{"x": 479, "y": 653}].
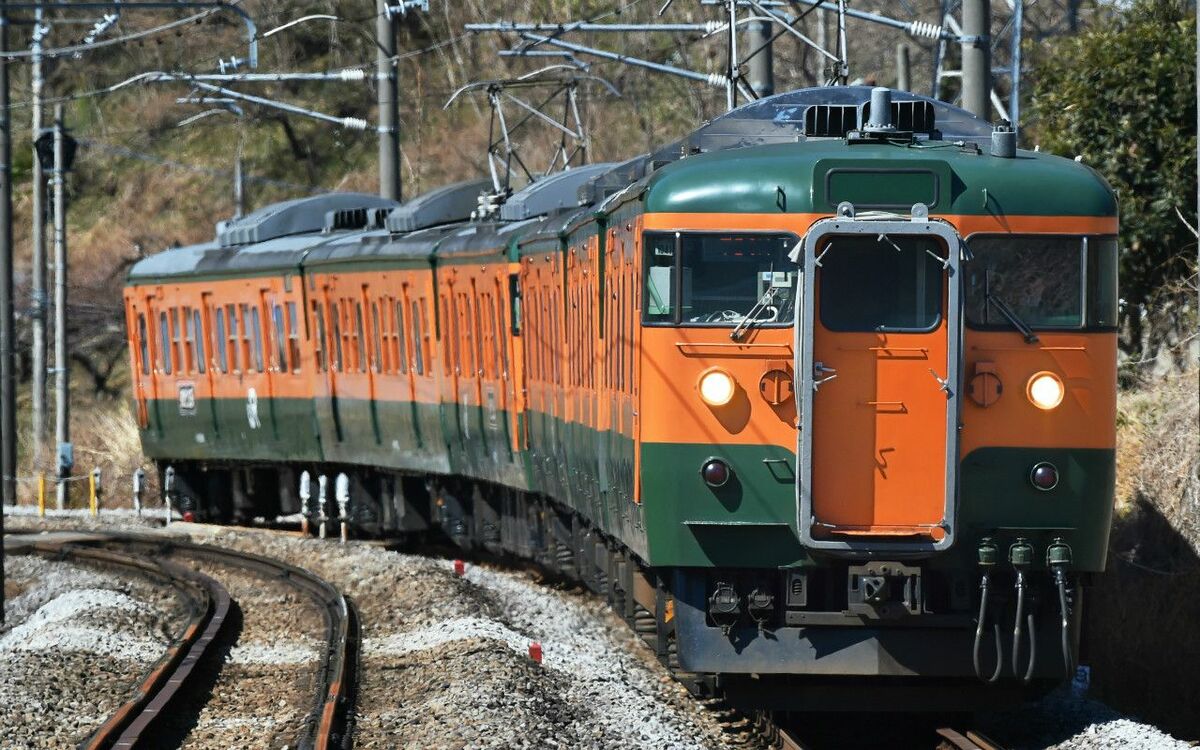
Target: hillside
[{"x": 142, "y": 182}]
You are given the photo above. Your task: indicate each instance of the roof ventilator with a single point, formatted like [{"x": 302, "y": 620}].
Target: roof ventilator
[
  {"x": 345, "y": 219},
  {"x": 443, "y": 205},
  {"x": 315, "y": 213},
  {"x": 830, "y": 120}
]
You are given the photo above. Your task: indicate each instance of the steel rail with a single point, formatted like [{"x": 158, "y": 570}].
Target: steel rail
[
  {"x": 328, "y": 723},
  {"x": 965, "y": 740},
  {"x": 209, "y": 603}
]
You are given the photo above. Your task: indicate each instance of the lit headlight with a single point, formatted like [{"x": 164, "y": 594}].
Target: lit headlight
[
  {"x": 1045, "y": 390},
  {"x": 716, "y": 387}
]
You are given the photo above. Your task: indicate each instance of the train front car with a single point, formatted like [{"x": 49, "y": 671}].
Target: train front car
[{"x": 877, "y": 400}]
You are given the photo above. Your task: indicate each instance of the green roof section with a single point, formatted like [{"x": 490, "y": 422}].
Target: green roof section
[{"x": 814, "y": 176}]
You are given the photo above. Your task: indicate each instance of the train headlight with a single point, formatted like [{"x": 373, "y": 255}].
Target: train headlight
[
  {"x": 716, "y": 387},
  {"x": 1045, "y": 390}
]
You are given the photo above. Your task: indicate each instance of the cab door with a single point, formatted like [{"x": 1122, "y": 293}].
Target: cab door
[
  {"x": 140, "y": 348},
  {"x": 879, "y": 369}
]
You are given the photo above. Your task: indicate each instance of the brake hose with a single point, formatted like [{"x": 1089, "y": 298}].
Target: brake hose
[{"x": 984, "y": 583}]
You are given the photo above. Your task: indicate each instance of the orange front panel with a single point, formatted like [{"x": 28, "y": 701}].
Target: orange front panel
[
  {"x": 879, "y": 431},
  {"x": 671, "y": 410}
]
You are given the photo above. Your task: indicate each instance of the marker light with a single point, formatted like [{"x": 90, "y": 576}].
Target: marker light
[
  {"x": 715, "y": 472},
  {"x": 716, "y": 387},
  {"x": 1045, "y": 390},
  {"x": 1044, "y": 476}
]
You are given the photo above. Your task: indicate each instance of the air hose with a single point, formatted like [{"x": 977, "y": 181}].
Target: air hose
[
  {"x": 1020, "y": 554},
  {"x": 1058, "y": 558},
  {"x": 987, "y": 560}
]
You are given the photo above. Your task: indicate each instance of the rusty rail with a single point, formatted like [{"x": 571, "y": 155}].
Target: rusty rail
[
  {"x": 209, "y": 604},
  {"x": 328, "y": 724}
]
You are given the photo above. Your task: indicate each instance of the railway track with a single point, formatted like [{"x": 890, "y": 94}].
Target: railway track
[{"x": 138, "y": 721}]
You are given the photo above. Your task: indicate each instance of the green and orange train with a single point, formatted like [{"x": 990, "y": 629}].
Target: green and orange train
[{"x": 821, "y": 396}]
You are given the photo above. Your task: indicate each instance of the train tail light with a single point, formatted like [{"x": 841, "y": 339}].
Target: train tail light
[{"x": 1044, "y": 476}]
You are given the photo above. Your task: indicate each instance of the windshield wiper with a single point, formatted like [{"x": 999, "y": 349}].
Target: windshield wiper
[
  {"x": 1012, "y": 317},
  {"x": 750, "y": 318}
]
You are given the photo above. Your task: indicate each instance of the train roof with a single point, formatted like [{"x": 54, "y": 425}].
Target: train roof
[{"x": 815, "y": 177}]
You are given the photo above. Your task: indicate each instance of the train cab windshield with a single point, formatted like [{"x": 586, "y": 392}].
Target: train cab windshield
[
  {"x": 1046, "y": 282},
  {"x": 719, "y": 279}
]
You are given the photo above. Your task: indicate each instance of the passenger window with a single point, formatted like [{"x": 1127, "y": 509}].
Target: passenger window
[
  {"x": 186, "y": 363},
  {"x": 281, "y": 347},
  {"x": 235, "y": 341},
  {"x": 335, "y": 317},
  {"x": 257, "y": 343},
  {"x": 889, "y": 284},
  {"x": 418, "y": 344},
  {"x": 176, "y": 343},
  {"x": 198, "y": 328},
  {"x": 143, "y": 344},
  {"x": 376, "y": 355},
  {"x": 319, "y": 327},
  {"x": 164, "y": 336},
  {"x": 360, "y": 340},
  {"x": 399, "y": 341},
  {"x": 293, "y": 337},
  {"x": 222, "y": 358}
]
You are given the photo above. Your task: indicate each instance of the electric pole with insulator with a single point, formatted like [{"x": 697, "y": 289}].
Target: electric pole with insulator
[
  {"x": 8, "y": 401},
  {"x": 762, "y": 64},
  {"x": 977, "y": 57},
  {"x": 387, "y": 98},
  {"x": 38, "y": 303},
  {"x": 56, "y": 150}
]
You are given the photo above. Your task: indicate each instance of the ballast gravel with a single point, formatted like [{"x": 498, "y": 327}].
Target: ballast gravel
[
  {"x": 75, "y": 643},
  {"x": 445, "y": 664}
]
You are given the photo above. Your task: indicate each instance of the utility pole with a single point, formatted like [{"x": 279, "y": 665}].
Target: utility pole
[
  {"x": 762, "y": 64},
  {"x": 977, "y": 57},
  {"x": 388, "y": 96},
  {"x": 8, "y": 401},
  {"x": 903, "y": 70},
  {"x": 62, "y": 368},
  {"x": 39, "y": 300},
  {"x": 239, "y": 186}
]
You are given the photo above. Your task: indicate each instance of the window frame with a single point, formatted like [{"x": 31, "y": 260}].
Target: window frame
[
  {"x": 942, "y": 295},
  {"x": 1086, "y": 282},
  {"x": 677, "y": 300}
]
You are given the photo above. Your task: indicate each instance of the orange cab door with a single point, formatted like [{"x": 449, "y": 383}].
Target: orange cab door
[{"x": 878, "y": 438}]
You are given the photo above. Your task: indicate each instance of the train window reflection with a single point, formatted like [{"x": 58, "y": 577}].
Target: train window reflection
[
  {"x": 1040, "y": 278},
  {"x": 701, "y": 278},
  {"x": 880, "y": 283}
]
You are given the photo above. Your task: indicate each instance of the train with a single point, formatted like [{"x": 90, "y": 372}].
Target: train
[{"x": 820, "y": 396}]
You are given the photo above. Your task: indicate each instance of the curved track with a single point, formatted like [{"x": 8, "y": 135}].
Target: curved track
[{"x": 134, "y": 723}]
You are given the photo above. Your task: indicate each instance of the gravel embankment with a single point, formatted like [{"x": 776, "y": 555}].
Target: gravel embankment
[
  {"x": 75, "y": 642},
  {"x": 445, "y": 660}
]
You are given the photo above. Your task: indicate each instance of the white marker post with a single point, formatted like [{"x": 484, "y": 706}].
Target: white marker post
[
  {"x": 342, "y": 492},
  {"x": 305, "y": 496},
  {"x": 322, "y": 493}
]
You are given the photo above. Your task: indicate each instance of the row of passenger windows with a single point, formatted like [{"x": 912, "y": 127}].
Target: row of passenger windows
[
  {"x": 234, "y": 338},
  {"x": 474, "y": 322},
  {"x": 397, "y": 345}
]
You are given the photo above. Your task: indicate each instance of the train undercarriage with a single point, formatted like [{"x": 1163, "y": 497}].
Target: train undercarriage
[{"x": 843, "y": 636}]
